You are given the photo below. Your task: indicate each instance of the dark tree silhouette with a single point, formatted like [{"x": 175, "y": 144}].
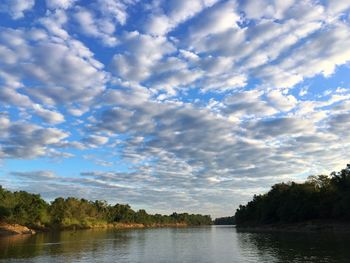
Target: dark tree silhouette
[
  {"x": 320, "y": 197},
  {"x": 228, "y": 220}
]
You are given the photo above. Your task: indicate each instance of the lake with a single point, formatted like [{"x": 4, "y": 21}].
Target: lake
[{"x": 196, "y": 244}]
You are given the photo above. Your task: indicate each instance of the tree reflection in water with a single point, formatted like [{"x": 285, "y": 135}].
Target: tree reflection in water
[
  {"x": 295, "y": 247},
  {"x": 68, "y": 243}
]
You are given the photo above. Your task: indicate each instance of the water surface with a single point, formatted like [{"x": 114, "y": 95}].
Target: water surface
[{"x": 202, "y": 244}]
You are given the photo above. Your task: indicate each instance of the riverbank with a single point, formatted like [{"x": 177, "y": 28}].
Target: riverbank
[
  {"x": 115, "y": 225},
  {"x": 308, "y": 226},
  {"x": 16, "y": 229}
]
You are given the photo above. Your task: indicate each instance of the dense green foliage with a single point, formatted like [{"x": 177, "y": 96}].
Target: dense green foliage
[
  {"x": 228, "y": 220},
  {"x": 31, "y": 210},
  {"x": 320, "y": 197}
]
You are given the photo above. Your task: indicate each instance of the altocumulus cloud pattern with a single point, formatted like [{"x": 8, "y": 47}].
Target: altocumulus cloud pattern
[{"x": 172, "y": 104}]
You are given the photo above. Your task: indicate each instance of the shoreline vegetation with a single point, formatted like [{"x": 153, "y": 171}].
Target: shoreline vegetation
[
  {"x": 228, "y": 220},
  {"x": 7, "y": 229},
  {"x": 25, "y": 213},
  {"x": 321, "y": 203}
]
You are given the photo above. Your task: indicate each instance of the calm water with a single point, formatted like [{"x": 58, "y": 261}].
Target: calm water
[{"x": 204, "y": 244}]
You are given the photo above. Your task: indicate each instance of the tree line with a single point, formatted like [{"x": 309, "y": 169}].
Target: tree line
[
  {"x": 28, "y": 209},
  {"x": 319, "y": 197},
  {"x": 227, "y": 220}
]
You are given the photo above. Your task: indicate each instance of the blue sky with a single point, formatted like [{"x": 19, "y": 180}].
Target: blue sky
[{"x": 172, "y": 105}]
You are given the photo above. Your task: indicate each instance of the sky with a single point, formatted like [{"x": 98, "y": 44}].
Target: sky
[{"x": 172, "y": 105}]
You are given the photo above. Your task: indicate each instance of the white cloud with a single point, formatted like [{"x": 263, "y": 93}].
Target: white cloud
[
  {"x": 272, "y": 128},
  {"x": 49, "y": 116},
  {"x": 174, "y": 13},
  {"x": 224, "y": 83},
  {"x": 96, "y": 140},
  {"x": 64, "y": 4},
  {"x": 116, "y": 9},
  {"x": 337, "y": 7},
  {"x": 9, "y": 96},
  {"x": 28, "y": 141},
  {"x": 276, "y": 9},
  {"x": 98, "y": 28},
  {"x": 35, "y": 175},
  {"x": 217, "y": 19},
  {"x": 16, "y": 8},
  {"x": 141, "y": 53},
  {"x": 54, "y": 23},
  {"x": 328, "y": 49},
  {"x": 247, "y": 104},
  {"x": 69, "y": 74},
  {"x": 281, "y": 101}
]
